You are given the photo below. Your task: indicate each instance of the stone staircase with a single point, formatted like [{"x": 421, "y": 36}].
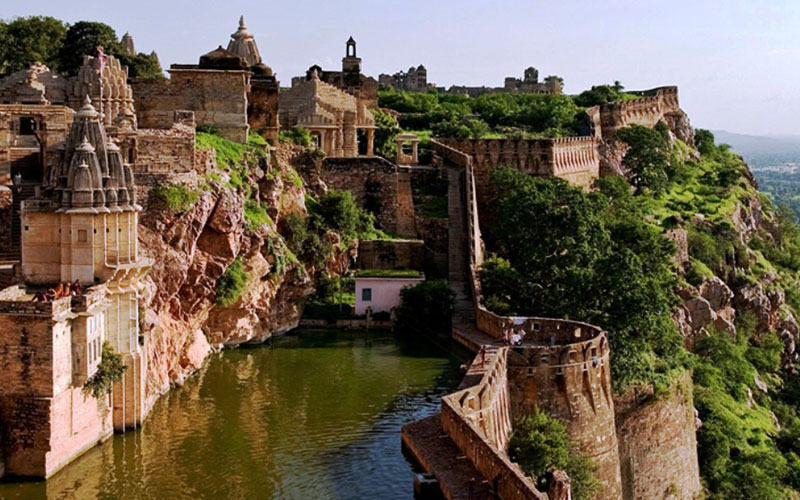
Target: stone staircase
[
  {"x": 25, "y": 161},
  {"x": 14, "y": 253},
  {"x": 406, "y": 220},
  {"x": 458, "y": 270}
]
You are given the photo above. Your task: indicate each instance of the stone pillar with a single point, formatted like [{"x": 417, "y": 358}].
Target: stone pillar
[
  {"x": 415, "y": 153},
  {"x": 350, "y": 149},
  {"x": 371, "y": 142}
]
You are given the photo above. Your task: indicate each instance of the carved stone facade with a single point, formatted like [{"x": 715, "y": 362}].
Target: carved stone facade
[
  {"x": 81, "y": 227},
  {"x": 339, "y": 123}
]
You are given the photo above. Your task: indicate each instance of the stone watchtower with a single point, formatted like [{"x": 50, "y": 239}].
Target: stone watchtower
[
  {"x": 351, "y": 69},
  {"x": 562, "y": 368}
]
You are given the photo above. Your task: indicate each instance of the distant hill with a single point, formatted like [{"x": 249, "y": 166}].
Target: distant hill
[{"x": 762, "y": 151}]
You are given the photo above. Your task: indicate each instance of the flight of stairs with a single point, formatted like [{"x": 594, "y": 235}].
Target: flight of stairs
[
  {"x": 14, "y": 252},
  {"x": 458, "y": 271},
  {"x": 406, "y": 220}
]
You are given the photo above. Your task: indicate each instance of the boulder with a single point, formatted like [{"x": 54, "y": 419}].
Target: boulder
[
  {"x": 717, "y": 293},
  {"x": 700, "y": 313}
]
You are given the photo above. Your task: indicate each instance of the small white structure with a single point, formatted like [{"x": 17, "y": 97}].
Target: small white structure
[{"x": 381, "y": 293}]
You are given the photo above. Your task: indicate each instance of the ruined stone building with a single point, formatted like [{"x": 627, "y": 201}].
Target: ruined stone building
[
  {"x": 230, "y": 90},
  {"x": 415, "y": 80},
  {"x": 349, "y": 79},
  {"x": 340, "y": 124},
  {"x": 79, "y": 240},
  {"x": 529, "y": 84}
]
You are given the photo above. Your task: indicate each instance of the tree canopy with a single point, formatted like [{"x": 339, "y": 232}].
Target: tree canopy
[
  {"x": 591, "y": 257},
  {"x": 60, "y": 46}
]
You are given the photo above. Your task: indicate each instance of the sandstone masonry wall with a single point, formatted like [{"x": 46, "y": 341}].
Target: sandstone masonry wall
[
  {"x": 657, "y": 444},
  {"x": 373, "y": 182},
  {"x": 217, "y": 97},
  {"x": 6, "y": 214},
  {"x": 652, "y": 107},
  {"x": 478, "y": 421}
]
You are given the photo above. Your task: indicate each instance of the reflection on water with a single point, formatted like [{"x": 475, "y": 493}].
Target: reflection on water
[{"x": 315, "y": 415}]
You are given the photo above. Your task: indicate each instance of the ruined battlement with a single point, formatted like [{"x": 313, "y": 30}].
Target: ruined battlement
[{"x": 652, "y": 107}]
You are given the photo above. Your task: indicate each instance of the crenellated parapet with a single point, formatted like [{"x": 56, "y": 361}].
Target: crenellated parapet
[
  {"x": 478, "y": 420},
  {"x": 650, "y": 108},
  {"x": 560, "y": 367},
  {"x": 574, "y": 159}
]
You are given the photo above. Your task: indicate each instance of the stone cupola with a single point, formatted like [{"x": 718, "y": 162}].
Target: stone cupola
[
  {"x": 88, "y": 170},
  {"x": 243, "y": 44}
]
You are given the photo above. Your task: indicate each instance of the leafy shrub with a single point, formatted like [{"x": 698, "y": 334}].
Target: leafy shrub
[
  {"x": 602, "y": 94},
  {"x": 385, "y": 134},
  {"x": 426, "y": 306},
  {"x": 232, "y": 284},
  {"x": 297, "y": 135},
  {"x": 540, "y": 445},
  {"x": 177, "y": 197},
  {"x": 109, "y": 371},
  {"x": 647, "y": 158},
  {"x": 255, "y": 214}
]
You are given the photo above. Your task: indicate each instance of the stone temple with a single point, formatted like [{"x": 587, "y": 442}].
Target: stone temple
[{"x": 79, "y": 238}]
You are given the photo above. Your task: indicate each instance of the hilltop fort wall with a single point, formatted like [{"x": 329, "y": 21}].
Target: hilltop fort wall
[
  {"x": 478, "y": 420},
  {"x": 376, "y": 187},
  {"x": 658, "y": 445},
  {"x": 562, "y": 367}
]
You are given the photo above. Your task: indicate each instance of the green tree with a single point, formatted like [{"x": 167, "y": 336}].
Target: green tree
[
  {"x": 427, "y": 305},
  {"x": 82, "y": 39},
  {"x": 647, "y": 158},
  {"x": 26, "y": 40},
  {"x": 591, "y": 257},
  {"x": 141, "y": 65},
  {"x": 386, "y": 134},
  {"x": 540, "y": 445}
]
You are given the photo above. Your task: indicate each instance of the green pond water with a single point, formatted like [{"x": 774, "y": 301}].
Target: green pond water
[{"x": 312, "y": 415}]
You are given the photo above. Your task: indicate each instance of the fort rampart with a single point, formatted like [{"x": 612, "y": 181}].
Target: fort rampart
[
  {"x": 574, "y": 159},
  {"x": 652, "y": 106},
  {"x": 478, "y": 421}
]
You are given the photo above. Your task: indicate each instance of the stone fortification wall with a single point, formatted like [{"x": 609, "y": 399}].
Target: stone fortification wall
[
  {"x": 652, "y": 107},
  {"x": 162, "y": 151},
  {"x": 391, "y": 254},
  {"x": 657, "y": 443},
  {"x": 217, "y": 97},
  {"x": 373, "y": 182},
  {"x": 558, "y": 366},
  {"x": 575, "y": 159},
  {"x": 478, "y": 421}
]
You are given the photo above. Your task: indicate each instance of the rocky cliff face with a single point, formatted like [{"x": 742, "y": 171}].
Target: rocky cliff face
[
  {"x": 718, "y": 300},
  {"x": 182, "y": 320}
]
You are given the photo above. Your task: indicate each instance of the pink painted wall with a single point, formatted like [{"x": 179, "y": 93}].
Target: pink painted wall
[{"x": 385, "y": 293}]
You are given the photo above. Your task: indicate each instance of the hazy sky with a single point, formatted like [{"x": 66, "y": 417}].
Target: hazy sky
[{"x": 737, "y": 62}]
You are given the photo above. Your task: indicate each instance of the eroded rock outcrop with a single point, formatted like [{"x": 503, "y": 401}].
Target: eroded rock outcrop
[{"x": 192, "y": 249}]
